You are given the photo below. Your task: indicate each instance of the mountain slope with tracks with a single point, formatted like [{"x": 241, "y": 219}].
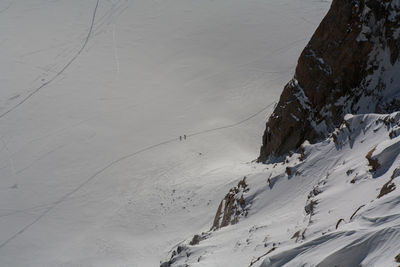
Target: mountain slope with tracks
[
  {"x": 94, "y": 97},
  {"x": 325, "y": 192}
]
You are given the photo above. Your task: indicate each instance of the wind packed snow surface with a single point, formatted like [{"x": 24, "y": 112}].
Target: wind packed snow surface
[
  {"x": 334, "y": 204},
  {"x": 94, "y": 96}
]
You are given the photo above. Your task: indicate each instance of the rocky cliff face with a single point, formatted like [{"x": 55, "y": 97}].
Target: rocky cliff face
[{"x": 350, "y": 65}]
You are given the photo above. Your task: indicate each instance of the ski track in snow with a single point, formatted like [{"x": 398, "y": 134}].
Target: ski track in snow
[
  {"x": 8, "y": 212},
  {"x": 113, "y": 163},
  {"x": 62, "y": 70},
  {"x": 115, "y": 52},
  {"x": 39, "y": 158},
  {"x": 10, "y": 159},
  {"x": 178, "y": 43},
  {"x": 6, "y": 8},
  {"x": 247, "y": 65}
]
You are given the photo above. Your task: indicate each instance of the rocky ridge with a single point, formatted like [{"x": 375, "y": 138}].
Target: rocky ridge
[{"x": 350, "y": 65}]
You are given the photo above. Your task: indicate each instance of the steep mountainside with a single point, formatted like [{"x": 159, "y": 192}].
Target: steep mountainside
[
  {"x": 351, "y": 65},
  {"x": 94, "y": 96},
  {"x": 335, "y": 204},
  {"x": 334, "y": 199}
]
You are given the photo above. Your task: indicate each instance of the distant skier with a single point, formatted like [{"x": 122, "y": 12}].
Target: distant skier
[
  {"x": 180, "y": 138},
  {"x": 184, "y": 136}
]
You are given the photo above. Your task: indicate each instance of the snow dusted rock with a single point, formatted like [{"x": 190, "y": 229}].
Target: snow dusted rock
[
  {"x": 232, "y": 207},
  {"x": 350, "y": 65},
  {"x": 331, "y": 209},
  {"x": 367, "y": 237}
]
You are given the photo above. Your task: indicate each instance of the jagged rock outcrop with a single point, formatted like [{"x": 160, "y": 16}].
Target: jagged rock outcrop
[
  {"x": 350, "y": 65},
  {"x": 232, "y": 207}
]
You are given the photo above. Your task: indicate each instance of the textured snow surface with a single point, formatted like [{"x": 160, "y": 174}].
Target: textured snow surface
[
  {"x": 94, "y": 95},
  {"x": 348, "y": 224}
]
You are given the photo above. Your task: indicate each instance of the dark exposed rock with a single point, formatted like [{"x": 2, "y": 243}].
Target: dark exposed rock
[
  {"x": 347, "y": 67},
  {"x": 299, "y": 235},
  {"x": 315, "y": 192},
  {"x": 265, "y": 254},
  {"x": 397, "y": 258},
  {"x": 373, "y": 162},
  {"x": 310, "y": 207},
  {"x": 296, "y": 235},
  {"x": 195, "y": 240},
  {"x": 288, "y": 171},
  {"x": 355, "y": 212},
  {"x": 232, "y": 206},
  {"x": 395, "y": 174},
  {"x": 165, "y": 264},
  {"x": 179, "y": 249},
  {"x": 338, "y": 223},
  {"x": 387, "y": 188}
]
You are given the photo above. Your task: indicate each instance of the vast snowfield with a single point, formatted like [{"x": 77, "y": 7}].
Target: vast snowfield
[{"x": 94, "y": 96}]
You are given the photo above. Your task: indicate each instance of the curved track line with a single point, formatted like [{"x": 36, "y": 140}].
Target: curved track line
[
  {"x": 62, "y": 70},
  {"x": 114, "y": 162},
  {"x": 233, "y": 124},
  {"x": 7, "y": 7}
]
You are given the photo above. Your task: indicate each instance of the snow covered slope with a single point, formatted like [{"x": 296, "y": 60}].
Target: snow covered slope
[
  {"x": 334, "y": 202},
  {"x": 328, "y": 206},
  {"x": 94, "y": 95}
]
